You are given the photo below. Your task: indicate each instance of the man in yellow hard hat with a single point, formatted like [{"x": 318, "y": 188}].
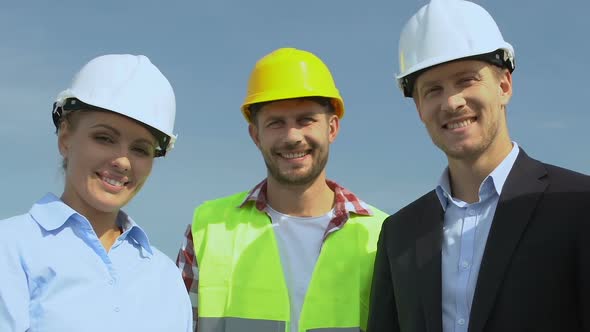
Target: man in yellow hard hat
[
  {"x": 503, "y": 241},
  {"x": 296, "y": 252}
]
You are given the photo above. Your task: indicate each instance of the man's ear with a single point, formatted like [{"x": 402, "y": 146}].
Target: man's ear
[
  {"x": 505, "y": 86},
  {"x": 334, "y": 127},
  {"x": 253, "y": 131}
]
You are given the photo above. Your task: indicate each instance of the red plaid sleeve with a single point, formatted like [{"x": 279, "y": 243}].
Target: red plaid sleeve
[{"x": 187, "y": 263}]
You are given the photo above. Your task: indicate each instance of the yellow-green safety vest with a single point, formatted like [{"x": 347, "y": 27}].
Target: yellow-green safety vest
[{"x": 241, "y": 283}]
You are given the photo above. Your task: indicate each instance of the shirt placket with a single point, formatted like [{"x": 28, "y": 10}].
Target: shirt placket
[
  {"x": 465, "y": 264},
  {"x": 114, "y": 278},
  {"x": 111, "y": 278}
]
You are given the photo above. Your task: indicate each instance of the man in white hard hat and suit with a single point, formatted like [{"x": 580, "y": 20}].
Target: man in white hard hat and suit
[{"x": 503, "y": 241}]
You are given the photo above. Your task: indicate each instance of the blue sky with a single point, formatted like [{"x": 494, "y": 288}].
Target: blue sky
[{"x": 207, "y": 50}]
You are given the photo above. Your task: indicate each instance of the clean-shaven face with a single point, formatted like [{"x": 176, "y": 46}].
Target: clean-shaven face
[{"x": 109, "y": 157}]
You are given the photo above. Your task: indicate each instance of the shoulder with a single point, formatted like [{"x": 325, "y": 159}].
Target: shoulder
[
  {"x": 427, "y": 200},
  {"x": 169, "y": 280},
  {"x": 215, "y": 208},
  {"x": 375, "y": 211},
  {"x": 162, "y": 259},
  {"x": 566, "y": 179},
  {"x": 376, "y": 214},
  {"x": 567, "y": 191},
  {"x": 371, "y": 222},
  {"x": 558, "y": 178},
  {"x": 20, "y": 238},
  {"x": 16, "y": 227},
  {"x": 235, "y": 199},
  {"x": 413, "y": 210},
  {"x": 165, "y": 266}
]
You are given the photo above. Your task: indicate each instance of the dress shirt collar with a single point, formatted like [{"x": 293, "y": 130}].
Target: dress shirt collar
[
  {"x": 51, "y": 213},
  {"x": 345, "y": 201},
  {"x": 494, "y": 181}
]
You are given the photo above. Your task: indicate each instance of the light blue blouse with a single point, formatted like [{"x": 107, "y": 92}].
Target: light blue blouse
[{"x": 55, "y": 275}]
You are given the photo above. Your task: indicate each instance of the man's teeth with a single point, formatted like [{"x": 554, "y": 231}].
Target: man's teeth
[
  {"x": 113, "y": 182},
  {"x": 294, "y": 155},
  {"x": 461, "y": 124}
]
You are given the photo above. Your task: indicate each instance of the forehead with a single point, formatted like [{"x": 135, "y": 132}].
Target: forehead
[
  {"x": 290, "y": 108},
  {"x": 123, "y": 124},
  {"x": 451, "y": 70}
]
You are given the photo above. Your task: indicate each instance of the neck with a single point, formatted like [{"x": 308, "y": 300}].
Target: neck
[
  {"x": 466, "y": 175},
  {"x": 309, "y": 200},
  {"x": 106, "y": 229},
  {"x": 104, "y": 224}
]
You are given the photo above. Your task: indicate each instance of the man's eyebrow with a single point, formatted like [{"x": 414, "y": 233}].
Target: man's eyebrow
[{"x": 454, "y": 76}]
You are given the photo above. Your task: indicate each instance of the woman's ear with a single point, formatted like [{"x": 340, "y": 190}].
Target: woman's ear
[{"x": 63, "y": 138}]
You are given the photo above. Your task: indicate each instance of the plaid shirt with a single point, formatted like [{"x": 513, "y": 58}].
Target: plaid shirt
[{"x": 345, "y": 202}]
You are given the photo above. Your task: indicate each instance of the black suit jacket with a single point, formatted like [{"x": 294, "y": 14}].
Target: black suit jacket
[{"x": 535, "y": 271}]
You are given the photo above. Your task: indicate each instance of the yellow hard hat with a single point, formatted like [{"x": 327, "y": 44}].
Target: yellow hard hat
[{"x": 290, "y": 73}]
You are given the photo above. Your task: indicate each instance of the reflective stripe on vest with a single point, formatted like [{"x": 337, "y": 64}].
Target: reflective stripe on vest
[
  {"x": 234, "y": 324},
  {"x": 337, "y": 329},
  {"x": 240, "y": 272}
]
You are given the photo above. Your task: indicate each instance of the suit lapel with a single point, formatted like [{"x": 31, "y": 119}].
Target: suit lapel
[
  {"x": 521, "y": 192},
  {"x": 428, "y": 262}
]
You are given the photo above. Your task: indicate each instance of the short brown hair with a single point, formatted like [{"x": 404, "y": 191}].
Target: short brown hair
[{"x": 322, "y": 101}]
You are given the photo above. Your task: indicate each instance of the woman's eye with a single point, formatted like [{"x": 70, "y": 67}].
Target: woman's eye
[
  {"x": 144, "y": 151},
  {"x": 104, "y": 139},
  {"x": 141, "y": 151}
]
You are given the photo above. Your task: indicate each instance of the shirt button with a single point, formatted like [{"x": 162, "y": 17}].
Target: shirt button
[
  {"x": 471, "y": 212},
  {"x": 465, "y": 265},
  {"x": 111, "y": 282},
  {"x": 461, "y": 321},
  {"x": 117, "y": 309}
]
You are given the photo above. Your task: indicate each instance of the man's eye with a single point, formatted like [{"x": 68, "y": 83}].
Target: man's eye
[
  {"x": 307, "y": 120},
  {"x": 431, "y": 91},
  {"x": 467, "y": 80},
  {"x": 273, "y": 124}
]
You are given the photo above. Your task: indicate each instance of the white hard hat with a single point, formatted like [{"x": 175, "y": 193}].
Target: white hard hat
[
  {"x": 126, "y": 84},
  {"x": 447, "y": 30}
]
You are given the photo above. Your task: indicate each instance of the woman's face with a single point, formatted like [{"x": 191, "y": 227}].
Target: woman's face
[{"x": 108, "y": 156}]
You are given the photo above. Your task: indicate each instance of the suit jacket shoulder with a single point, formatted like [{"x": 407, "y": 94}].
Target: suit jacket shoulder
[
  {"x": 420, "y": 222},
  {"x": 563, "y": 179},
  {"x": 414, "y": 209}
]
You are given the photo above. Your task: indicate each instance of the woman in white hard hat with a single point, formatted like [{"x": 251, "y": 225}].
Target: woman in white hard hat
[{"x": 77, "y": 262}]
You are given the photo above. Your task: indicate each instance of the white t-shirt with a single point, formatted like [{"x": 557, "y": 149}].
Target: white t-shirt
[{"x": 299, "y": 240}]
